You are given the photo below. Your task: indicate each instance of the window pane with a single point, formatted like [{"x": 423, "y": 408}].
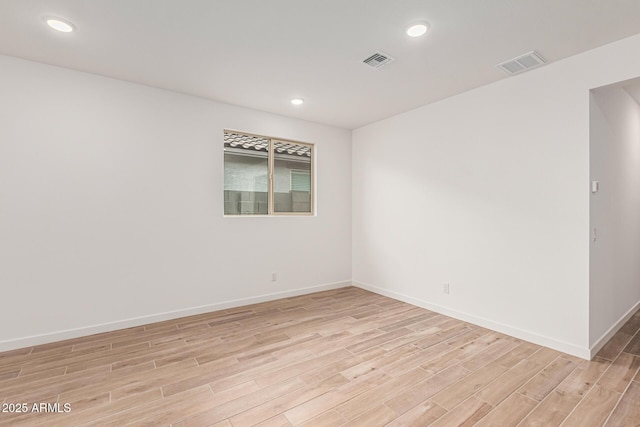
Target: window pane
[
  {"x": 246, "y": 183},
  {"x": 292, "y": 177},
  {"x": 300, "y": 181}
]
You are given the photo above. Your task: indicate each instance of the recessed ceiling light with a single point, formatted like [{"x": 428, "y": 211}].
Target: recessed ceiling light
[
  {"x": 417, "y": 29},
  {"x": 297, "y": 101},
  {"x": 60, "y": 25}
]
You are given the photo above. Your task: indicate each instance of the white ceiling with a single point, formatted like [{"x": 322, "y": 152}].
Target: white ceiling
[{"x": 261, "y": 53}]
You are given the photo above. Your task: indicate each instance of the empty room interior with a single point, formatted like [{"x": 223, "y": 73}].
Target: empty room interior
[{"x": 331, "y": 213}]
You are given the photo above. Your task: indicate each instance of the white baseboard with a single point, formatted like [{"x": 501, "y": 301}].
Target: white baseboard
[
  {"x": 572, "y": 349},
  {"x": 612, "y": 330},
  {"x": 143, "y": 320}
]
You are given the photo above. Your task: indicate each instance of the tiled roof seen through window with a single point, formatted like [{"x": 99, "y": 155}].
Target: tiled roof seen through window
[{"x": 257, "y": 143}]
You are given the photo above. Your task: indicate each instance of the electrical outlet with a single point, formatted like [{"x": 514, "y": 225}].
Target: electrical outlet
[
  {"x": 445, "y": 288},
  {"x": 274, "y": 277}
]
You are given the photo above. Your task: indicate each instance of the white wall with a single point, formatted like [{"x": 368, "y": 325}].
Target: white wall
[
  {"x": 488, "y": 191},
  {"x": 615, "y": 211},
  {"x": 111, "y": 201}
]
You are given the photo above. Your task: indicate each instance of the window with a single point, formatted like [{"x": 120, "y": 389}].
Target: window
[
  {"x": 300, "y": 180},
  {"x": 266, "y": 176}
]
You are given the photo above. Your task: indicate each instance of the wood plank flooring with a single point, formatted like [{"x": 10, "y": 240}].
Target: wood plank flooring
[{"x": 345, "y": 357}]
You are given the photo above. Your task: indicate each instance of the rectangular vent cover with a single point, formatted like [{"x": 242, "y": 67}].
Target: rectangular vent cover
[
  {"x": 522, "y": 63},
  {"x": 377, "y": 60}
]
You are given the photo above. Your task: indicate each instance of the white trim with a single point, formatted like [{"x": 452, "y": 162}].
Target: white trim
[
  {"x": 613, "y": 329},
  {"x": 565, "y": 347},
  {"x": 144, "y": 320}
]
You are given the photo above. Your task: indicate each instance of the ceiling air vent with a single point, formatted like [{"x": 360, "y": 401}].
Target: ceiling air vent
[
  {"x": 522, "y": 63},
  {"x": 377, "y": 60}
]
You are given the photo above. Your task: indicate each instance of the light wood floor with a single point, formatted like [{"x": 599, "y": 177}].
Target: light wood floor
[{"x": 343, "y": 357}]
